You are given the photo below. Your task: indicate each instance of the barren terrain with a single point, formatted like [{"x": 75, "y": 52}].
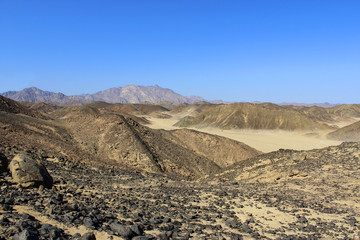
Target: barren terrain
[
  {"x": 126, "y": 172},
  {"x": 263, "y": 140}
]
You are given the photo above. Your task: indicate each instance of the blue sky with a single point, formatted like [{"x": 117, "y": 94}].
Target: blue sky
[{"x": 275, "y": 51}]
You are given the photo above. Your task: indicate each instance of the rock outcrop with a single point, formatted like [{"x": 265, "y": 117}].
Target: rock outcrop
[{"x": 29, "y": 172}]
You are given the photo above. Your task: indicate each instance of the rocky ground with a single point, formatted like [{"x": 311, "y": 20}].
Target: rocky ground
[{"x": 115, "y": 204}]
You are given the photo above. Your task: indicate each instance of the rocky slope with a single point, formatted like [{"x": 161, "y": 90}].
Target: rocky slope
[
  {"x": 248, "y": 116},
  {"x": 10, "y": 106},
  {"x": 108, "y": 136},
  {"x": 126, "y": 94},
  {"x": 347, "y": 133},
  {"x": 330, "y": 114}
]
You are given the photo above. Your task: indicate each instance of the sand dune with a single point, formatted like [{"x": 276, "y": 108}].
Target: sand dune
[{"x": 263, "y": 140}]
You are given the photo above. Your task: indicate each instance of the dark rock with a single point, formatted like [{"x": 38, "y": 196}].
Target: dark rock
[
  {"x": 4, "y": 220},
  {"x": 3, "y": 163},
  {"x": 122, "y": 230},
  {"x": 26, "y": 235},
  {"x": 88, "y": 236},
  {"x": 76, "y": 235},
  {"x": 137, "y": 229},
  {"x": 140, "y": 238},
  {"x": 88, "y": 222},
  {"x": 27, "y": 216},
  {"x": 162, "y": 236}
]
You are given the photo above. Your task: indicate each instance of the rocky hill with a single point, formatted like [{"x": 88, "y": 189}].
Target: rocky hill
[
  {"x": 126, "y": 94},
  {"x": 329, "y": 114},
  {"x": 109, "y": 135},
  {"x": 10, "y": 106},
  {"x": 347, "y": 133},
  {"x": 247, "y": 116}
]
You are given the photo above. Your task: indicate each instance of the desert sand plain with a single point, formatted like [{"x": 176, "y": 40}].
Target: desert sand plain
[{"x": 262, "y": 140}]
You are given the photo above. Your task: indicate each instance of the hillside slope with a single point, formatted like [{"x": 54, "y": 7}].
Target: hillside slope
[
  {"x": 11, "y": 106},
  {"x": 116, "y": 139},
  {"x": 347, "y": 133},
  {"x": 331, "y": 114},
  {"x": 249, "y": 116}
]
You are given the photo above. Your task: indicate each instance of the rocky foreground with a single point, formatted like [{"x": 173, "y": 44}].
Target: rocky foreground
[{"x": 92, "y": 202}]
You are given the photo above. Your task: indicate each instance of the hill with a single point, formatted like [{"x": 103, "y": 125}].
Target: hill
[
  {"x": 11, "y": 106},
  {"x": 329, "y": 114},
  {"x": 247, "y": 115},
  {"x": 115, "y": 138},
  {"x": 347, "y": 133},
  {"x": 126, "y": 94}
]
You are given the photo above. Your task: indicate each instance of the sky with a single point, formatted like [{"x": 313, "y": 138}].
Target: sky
[{"x": 305, "y": 51}]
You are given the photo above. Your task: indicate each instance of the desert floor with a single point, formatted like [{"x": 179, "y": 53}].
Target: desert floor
[{"x": 263, "y": 140}]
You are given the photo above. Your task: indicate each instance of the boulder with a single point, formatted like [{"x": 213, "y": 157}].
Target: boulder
[
  {"x": 122, "y": 230},
  {"x": 29, "y": 172},
  {"x": 88, "y": 236}
]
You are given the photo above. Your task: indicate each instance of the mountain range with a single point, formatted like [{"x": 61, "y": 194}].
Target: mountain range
[{"x": 126, "y": 94}]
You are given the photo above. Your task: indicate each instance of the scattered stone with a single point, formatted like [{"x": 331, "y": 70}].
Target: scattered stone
[
  {"x": 122, "y": 230},
  {"x": 88, "y": 236},
  {"x": 26, "y": 235}
]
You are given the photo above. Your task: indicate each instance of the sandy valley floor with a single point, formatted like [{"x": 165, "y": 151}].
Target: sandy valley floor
[{"x": 263, "y": 140}]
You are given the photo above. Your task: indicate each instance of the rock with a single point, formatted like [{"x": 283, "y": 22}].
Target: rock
[
  {"x": 26, "y": 235},
  {"x": 140, "y": 238},
  {"x": 29, "y": 172},
  {"x": 137, "y": 229},
  {"x": 162, "y": 236},
  {"x": 122, "y": 230},
  {"x": 3, "y": 163},
  {"x": 88, "y": 236},
  {"x": 88, "y": 222},
  {"x": 76, "y": 236}
]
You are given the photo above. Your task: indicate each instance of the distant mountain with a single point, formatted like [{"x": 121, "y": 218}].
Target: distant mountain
[
  {"x": 324, "y": 105},
  {"x": 126, "y": 94},
  {"x": 34, "y": 94}
]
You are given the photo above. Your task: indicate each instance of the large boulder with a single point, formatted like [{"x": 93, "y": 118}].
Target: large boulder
[{"x": 29, "y": 172}]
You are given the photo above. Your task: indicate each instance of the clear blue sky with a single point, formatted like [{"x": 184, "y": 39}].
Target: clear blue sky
[{"x": 277, "y": 51}]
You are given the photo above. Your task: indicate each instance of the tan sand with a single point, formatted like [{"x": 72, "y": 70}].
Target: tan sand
[{"x": 263, "y": 140}]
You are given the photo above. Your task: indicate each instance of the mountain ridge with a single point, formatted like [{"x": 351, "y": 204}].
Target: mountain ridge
[{"x": 126, "y": 94}]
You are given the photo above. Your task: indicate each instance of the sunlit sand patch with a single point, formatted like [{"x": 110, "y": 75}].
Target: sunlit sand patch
[{"x": 263, "y": 140}]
